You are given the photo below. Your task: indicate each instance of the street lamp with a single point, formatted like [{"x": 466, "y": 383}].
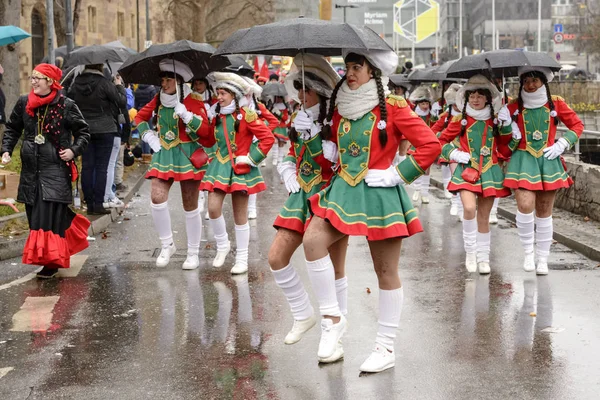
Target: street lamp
[{"x": 344, "y": 6}]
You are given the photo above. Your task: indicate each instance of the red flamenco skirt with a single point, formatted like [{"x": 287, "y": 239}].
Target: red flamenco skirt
[{"x": 56, "y": 233}]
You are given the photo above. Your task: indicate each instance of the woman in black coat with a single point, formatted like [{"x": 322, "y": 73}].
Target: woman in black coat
[{"x": 48, "y": 122}]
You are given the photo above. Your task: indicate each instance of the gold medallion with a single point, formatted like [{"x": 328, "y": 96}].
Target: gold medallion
[
  {"x": 306, "y": 168},
  {"x": 170, "y": 135},
  {"x": 354, "y": 149},
  {"x": 234, "y": 147},
  {"x": 39, "y": 139},
  {"x": 346, "y": 126},
  {"x": 537, "y": 135},
  {"x": 485, "y": 151}
]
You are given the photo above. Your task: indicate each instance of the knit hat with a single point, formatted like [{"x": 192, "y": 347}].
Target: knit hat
[
  {"x": 176, "y": 67},
  {"x": 255, "y": 88},
  {"x": 319, "y": 75},
  {"x": 421, "y": 93},
  {"x": 230, "y": 81},
  {"x": 544, "y": 70},
  {"x": 479, "y": 82},
  {"x": 450, "y": 93},
  {"x": 385, "y": 60}
]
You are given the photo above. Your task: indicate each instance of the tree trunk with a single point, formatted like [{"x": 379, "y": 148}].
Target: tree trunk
[{"x": 60, "y": 23}]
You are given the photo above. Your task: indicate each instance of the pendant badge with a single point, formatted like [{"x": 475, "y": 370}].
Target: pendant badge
[
  {"x": 175, "y": 116},
  {"x": 485, "y": 151},
  {"x": 306, "y": 168},
  {"x": 354, "y": 149},
  {"x": 234, "y": 147},
  {"x": 170, "y": 135},
  {"x": 346, "y": 126},
  {"x": 39, "y": 139},
  {"x": 537, "y": 135}
]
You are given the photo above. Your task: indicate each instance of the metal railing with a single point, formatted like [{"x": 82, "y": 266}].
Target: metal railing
[{"x": 576, "y": 151}]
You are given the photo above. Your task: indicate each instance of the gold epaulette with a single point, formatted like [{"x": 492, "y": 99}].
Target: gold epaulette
[
  {"x": 395, "y": 100},
  {"x": 197, "y": 96},
  {"x": 293, "y": 117},
  {"x": 251, "y": 115},
  {"x": 513, "y": 101},
  {"x": 457, "y": 118},
  {"x": 555, "y": 97}
]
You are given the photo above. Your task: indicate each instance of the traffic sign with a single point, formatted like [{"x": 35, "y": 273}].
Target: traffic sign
[
  {"x": 558, "y": 38},
  {"x": 558, "y": 28}
]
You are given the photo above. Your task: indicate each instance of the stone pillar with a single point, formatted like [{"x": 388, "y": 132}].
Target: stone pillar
[{"x": 9, "y": 55}]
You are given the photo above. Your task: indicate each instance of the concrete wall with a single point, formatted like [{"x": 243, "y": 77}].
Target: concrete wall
[{"x": 583, "y": 197}]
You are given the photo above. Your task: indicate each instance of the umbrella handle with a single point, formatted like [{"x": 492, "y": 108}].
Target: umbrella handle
[
  {"x": 109, "y": 68},
  {"x": 303, "y": 88}
]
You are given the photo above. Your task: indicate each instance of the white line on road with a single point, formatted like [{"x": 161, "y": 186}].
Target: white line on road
[
  {"x": 4, "y": 371},
  {"x": 16, "y": 282},
  {"x": 35, "y": 314},
  {"x": 77, "y": 262}
]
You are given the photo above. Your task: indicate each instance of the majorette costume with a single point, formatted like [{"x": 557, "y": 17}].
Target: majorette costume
[
  {"x": 476, "y": 149},
  {"x": 280, "y": 111},
  {"x": 235, "y": 166},
  {"x": 364, "y": 197},
  {"x": 48, "y": 124},
  {"x": 419, "y": 95},
  {"x": 535, "y": 158},
  {"x": 182, "y": 128}
]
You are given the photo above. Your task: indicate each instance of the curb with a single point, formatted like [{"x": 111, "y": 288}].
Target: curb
[
  {"x": 559, "y": 235},
  {"x": 14, "y": 247}
]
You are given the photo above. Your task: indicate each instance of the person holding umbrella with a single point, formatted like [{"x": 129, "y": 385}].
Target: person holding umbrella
[
  {"x": 536, "y": 169},
  {"x": 54, "y": 133},
  {"x": 234, "y": 168},
  {"x": 181, "y": 122},
  {"x": 364, "y": 197},
  {"x": 280, "y": 110},
  {"x": 478, "y": 178},
  {"x": 305, "y": 170}
]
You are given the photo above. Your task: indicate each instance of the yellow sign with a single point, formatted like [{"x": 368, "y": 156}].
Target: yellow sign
[{"x": 416, "y": 20}]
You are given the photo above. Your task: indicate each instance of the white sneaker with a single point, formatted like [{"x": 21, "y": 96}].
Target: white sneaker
[
  {"x": 331, "y": 335},
  {"x": 447, "y": 194},
  {"x": 542, "y": 267},
  {"x": 460, "y": 217},
  {"x": 337, "y": 355},
  {"x": 113, "y": 203},
  {"x": 263, "y": 164},
  {"x": 274, "y": 161},
  {"x": 493, "y": 218},
  {"x": 207, "y": 216},
  {"x": 379, "y": 360},
  {"x": 299, "y": 329},
  {"x": 483, "y": 267},
  {"x": 165, "y": 255},
  {"x": 252, "y": 214},
  {"x": 221, "y": 255},
  {"x": 191, "y": 262},
  {"x": 471, "y": 262},
  {"x": 415, "y": 196},
  {"x": 529, "y": 262},
  {"x": 425, "y": 199},
  {"x": 239, "y": 268},
  {"x": 453, "y": 209}
]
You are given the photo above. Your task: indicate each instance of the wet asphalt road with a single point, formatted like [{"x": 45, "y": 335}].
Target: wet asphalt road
[{"x": 123, "y": 329}]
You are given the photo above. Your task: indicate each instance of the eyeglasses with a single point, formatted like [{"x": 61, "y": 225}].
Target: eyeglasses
[{"x": 37, "y": 78}]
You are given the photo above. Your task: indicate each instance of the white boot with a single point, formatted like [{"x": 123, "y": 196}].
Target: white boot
[
  {"x": 494, "y": 212},
  {"x": 242, "y": 239},
  {"x": 454, "y": 206},
  {"x": 542, "y": 266},
  {"x": 379, "y": 360},
  {"x": 191, "y": 262},
  {"x": 426, "y": 179},
  {"x": 529, "y": 262},
  {"x": 252, "y": 206},
  {"x": 446, "y": 177},
  {"x": 526, "y": 230},
  {"x": 162, "y": 223},
  {"x": 543, "y": 237},
  {"x": 330, "y": 345},
  {"x": 275, "y": 152},
  {"x": 470, "y": 243},
  {"x": 193, "y": 226},
  {"x": 223, "y": 245},
  {"x": 483, "y": 253}
]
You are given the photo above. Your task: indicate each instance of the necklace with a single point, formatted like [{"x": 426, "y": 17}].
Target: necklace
[
  {"x": 353, "y": 147},
  {"x": 40, "y": 138},
  {"x": 537, "y": 135}
]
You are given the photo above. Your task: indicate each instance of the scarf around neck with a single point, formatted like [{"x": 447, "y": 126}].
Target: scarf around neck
[
  {"x": 480, "y": 115},
  {"x": 228, "y": 109},
  {"x": 34, "y": 101},
  {"x": 171, "y": 100},
  {"x": 537, "y": 99},
  {"x": 422, "y": 113},
  {"x": 353, "y": 104}
]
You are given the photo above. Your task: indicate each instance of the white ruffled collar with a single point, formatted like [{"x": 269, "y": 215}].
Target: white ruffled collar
[
  {"x": 171, "y": 100},
  {"x": 480, "y": 115},
  {"x": 537, "y": 99}
]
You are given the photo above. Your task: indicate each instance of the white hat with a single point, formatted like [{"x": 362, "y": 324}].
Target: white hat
[
  {"x": 385, "y": 60},
  {"x": 319, "y": 75},
  {"x": 176, "y": 67},
  {"x": 450, "y": 93},
  {"x": 479, "y": 82},
  {"x": 255, "y": 88},
  {"x": 230, "y": 81},
  {"x": 544, "y": 70},
  {"x": 421, "y": 93}
]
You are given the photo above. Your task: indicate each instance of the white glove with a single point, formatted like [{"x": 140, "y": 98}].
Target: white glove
[
  {"x": 330, "y": 150},
  {"x": 383, "y": 177},
  {"x": 185, "y": 115},
  {"x": 435, "y": 109},
  {"x": 397, "y": 160},
  {"x": 244, "y": 160},
  {"x": 5, "y": 158},
  {"x": 461, "y": 157},
  {"x": 288, "y": 176},
  {"x": 504, "y": 116},
  {"x": 303, "y": 121},
  {"x": 516, "y": 132},
  {"x": 556, "y": 149},
  {"x": 151, "y": 137}
]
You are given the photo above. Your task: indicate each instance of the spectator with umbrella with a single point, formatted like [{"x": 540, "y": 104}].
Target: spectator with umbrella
[{"x": 279, "y": 109}]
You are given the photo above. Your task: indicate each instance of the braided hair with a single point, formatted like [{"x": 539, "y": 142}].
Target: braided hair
[
  {"x": 326, "y": 131},
  {"x": 382, "y": 107},
  {"x": 541, "y": 76},
  {"x": 488, "y": 103},
  {"x": 322, "y": 113}
]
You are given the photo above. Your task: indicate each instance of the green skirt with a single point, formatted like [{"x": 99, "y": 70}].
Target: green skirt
[
  {"x": 525, "y": 171},
  {"x": 173, "y": 164},
  {"x": 490, "y": 183},
  {"x": 295, "y": 214},
  {"x": 221, "y": 176}
]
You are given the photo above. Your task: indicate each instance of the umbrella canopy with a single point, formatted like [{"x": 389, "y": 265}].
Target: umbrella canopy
[
  {"x": 97, "y": 54},
  {"x": 423, "y": 75},
  {"x": 239, "y": 66},
  {"x": 500, "y": 63},
  {"x": 400, "y": 80},
  {"x": 291, "y": 36},
  {"x": 441, "y": 72},
  {"x": 144, "y": 67},
  {"x": 12, "y": 34},
  {"x": 274, "y": 89}
]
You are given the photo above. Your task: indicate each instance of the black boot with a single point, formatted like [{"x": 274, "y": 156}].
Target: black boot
[{"x": 47, "y": 273}]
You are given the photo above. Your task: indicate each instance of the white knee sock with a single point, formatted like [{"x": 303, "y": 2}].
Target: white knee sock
[
  {"x": 461, "y": 209},
  {"x": 446, "y": 175},
  {"x": 242, "y": 239},
  {"x": 495, "y": 205},
  {"x": 281, "y": 154},
  {"x": 322, "y": 278},
  {"x": 293, "y": 289},
  {"x": 252, "y": 202},
  {"x": 417, "y": 183},
  {"x": 162, "y": 223},
  {"x": 456, "y": 201},
  {"x": 390, "y": 309},
  {"x": 275, "y": 150},
  {"x": 525, "y": 226},
  {"x": 543, "y": 237},
  {"x": 425, "y": 180},
  {"x": 483, "y": 247},
  {"x": 341, "y": 291},
  {"x": 244, "y": 301},
  {"x": 220, "y": 232},
  {"x": 193, "y": 227},
  {"x": 470, "y": 235}
]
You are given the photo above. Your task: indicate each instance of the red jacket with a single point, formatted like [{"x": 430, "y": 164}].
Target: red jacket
[{"x": 267, "y": 116}]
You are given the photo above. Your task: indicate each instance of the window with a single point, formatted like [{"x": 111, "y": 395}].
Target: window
[
  {"x": 120, "y": 24},
  {"x": 133, "y": 25},
  {"x": 92, "y": 27}
]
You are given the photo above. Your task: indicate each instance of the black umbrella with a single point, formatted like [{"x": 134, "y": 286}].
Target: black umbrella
[
  {"x": 97, "y": 54},
  {"x": 239, "y": 66},
  {"x": 423, "y": 75},
  {"x": 441, "y": 72},
  {"x": 144, "y": 67},
  {"x": 400, "y": 80},
  {"x": 274, "y": 89},
  {"x": 500, "y": 63}
]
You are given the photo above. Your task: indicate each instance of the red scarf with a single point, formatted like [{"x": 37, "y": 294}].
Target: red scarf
[
  {"x": 53, "y": 75},
  {"x": 34, "y": 101}
]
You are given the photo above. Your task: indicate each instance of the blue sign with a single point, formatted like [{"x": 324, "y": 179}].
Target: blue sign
[{"x": 558, "y": 28}]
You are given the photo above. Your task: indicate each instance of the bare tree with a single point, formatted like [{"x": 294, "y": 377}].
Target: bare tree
[{"x": 60, "y": 20}]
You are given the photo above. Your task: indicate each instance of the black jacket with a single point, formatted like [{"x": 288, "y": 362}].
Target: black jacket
[
  {"x": 143, "y": 95},
  {"x": 99, "y": 101},
  {"x": 41, "y": 163}
]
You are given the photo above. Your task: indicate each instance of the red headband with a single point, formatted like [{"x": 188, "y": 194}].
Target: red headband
[{"x": 51, "y": 72}]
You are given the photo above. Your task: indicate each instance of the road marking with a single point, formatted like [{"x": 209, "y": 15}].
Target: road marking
[
  {"x": 4, "y": 371},
  {"x": 35, "y": 314},
  {"x": 24, "y": 279},
  {"x": 77, "y": 262}
]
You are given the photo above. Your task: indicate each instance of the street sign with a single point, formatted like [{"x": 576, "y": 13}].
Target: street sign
[
  {"x": 416, "y": 20},
  {"x": 558, "y": 38},
  {"x": 558, "y": 28}
]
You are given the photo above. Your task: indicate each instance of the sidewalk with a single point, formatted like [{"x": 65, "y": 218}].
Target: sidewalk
[{"x": 570, "y": 229}]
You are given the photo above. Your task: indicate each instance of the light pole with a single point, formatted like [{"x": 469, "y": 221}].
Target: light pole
[
  {"x": 460, "y": 28},
  {"x": 539, "y": 25},
  {"x": 344, "y": 6},
  {"x": 493, "y": 24}
]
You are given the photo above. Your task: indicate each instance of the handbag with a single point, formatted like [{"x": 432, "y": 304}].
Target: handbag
[
  {"x": 198, "y": 159},
  {"x": 471, "y": 174},
  {"x": 238, "y": 169}
]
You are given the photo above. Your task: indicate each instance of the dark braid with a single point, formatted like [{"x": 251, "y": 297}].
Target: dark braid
[
  {"x": 326, "y": 131},
  {"x": 382, "y": 107},
  {"x": 236, "y": 124},
  {"x": 448, "y": 118},
  {"x": 255, "y": 103},
  {"x": 181, "y": 92},
  {"x": 217, "y": 112},
  {"x": 495, "y": 131},
  {"x": 158, "y": 104},
  {"x": 463, "y": 128},
  {"x": 550, "y": 101},
  {"x": 520, "y": 102}
]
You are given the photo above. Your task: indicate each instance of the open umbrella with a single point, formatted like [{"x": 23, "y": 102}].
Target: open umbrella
[
  {"x": 97, "y": 54},
  {"x": 10, "y": 34},
  {"x": 441, "y": 72},
  {"x": 423, "y": 75},
  {"x": 400, "y": 80},
  {"x": 238, "y": 65},
  {"x": 274, "y": 89},
  {"x": 144, "y": 67}
]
